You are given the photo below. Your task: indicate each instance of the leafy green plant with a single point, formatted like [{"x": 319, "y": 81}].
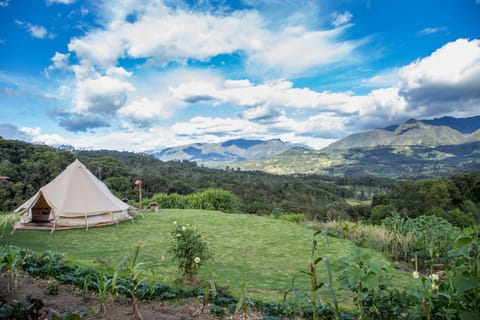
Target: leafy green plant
[
  {"x": 434, "y": 237},
  {"x": 189, "y": 249},
  {"x": 313, "y": 299},
  {"x": 464, "y": 277},
  {"x": 8, "y": 220},
  {"x": 365, "y": 277},
  {"x": 52, "y": 288},
  {"x": 135, "y": 273},
  {"x": 105, "y": 288},
  {"x": 13, "y": 263}
]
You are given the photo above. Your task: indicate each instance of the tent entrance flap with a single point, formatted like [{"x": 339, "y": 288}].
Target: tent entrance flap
[{"x": 41, "y": 210}]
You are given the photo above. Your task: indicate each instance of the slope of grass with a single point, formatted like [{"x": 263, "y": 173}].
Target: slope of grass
[{"x": 263, "y": 253}]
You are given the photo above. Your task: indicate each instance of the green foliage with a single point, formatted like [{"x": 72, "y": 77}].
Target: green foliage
[
  {"x": 434, "y": 237},
  {"x": 291, "y": 217},
  {"x": 52, "y": 288},
  {"x": 395, "y": 162},
  {"x": 314, "y": 304},
  {"x": 32, "y": 166},
  {"x": 454, "y": 199},
  {"x": 189, "y": 249},
  {"x": 465, "y": 276},
  {"x": 365, "y": 278},
  {"x": 210, "y": 199}
]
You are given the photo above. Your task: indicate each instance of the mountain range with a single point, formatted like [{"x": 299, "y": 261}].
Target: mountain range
[
  {"x": 436, "y": 132},
  {"x": 416, "y": 148},
  {"x": 228, "y": 151}
]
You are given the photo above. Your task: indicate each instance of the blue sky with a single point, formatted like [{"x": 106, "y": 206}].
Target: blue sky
[{"x": 142, "y": 75}]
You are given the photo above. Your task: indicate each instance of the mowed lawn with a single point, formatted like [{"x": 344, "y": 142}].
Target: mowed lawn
[{"x": 263, "y": 253}]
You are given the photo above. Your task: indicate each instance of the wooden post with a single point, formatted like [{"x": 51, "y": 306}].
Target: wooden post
[{"x": 139, "y": 184}]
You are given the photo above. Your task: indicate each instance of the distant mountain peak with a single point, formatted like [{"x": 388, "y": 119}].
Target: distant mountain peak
[
  {"x": 228, "y": 151},
  {"x": 242, "y": 143},
  {"x": 436, "y": 132}
]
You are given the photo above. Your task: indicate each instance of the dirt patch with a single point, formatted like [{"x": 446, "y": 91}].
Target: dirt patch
[{"x": 70, "y": 299}]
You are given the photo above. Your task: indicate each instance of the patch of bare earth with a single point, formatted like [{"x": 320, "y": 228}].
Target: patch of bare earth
[{"x": 70, "y": 299}]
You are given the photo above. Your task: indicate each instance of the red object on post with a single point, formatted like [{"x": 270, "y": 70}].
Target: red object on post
[{"x": 139, "y": 184}]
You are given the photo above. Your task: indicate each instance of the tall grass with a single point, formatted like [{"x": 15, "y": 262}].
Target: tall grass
[{"x": 376, "y": 237}]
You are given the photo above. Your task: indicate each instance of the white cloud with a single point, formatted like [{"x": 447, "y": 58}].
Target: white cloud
[
  {"x": 296, "y": 50},
  {"x": 67, "y": 2},
  {"x": 103, "y": 95},
  {"x": 145, "y": 110},
  {"x": 63, "y": 91},
  {"x": 272, "y": 93},
  {"x": 218, "y": 128},
  {"x": 163, "y": 35},
  {"x": 36, "y": 31},
  {"x": 386, "y": 78},
  {"x": 446, "y": 81},
  {"x": 36, "y": 136},
  {"x": 339, "y": 19},
  {"x": 59, "y": 61},
  {"x": 433, "y": 30},
  {"x": 4, "y": 3}
]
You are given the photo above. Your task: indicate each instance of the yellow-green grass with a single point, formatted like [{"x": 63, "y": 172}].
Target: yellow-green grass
[
  {"x": 355, "y": 202},
  {"x": 261, "y": 252}
]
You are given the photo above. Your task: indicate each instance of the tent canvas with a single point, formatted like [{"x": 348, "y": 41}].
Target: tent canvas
[{"x": 74, "y": 199}]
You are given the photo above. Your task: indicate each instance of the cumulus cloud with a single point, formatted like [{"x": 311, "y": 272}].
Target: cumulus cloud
[
  {"x": 162, "y": 35},
  {"x": 103, "y": 95},
  {"x": 36, "y": 136},
  {"x": 73, "y": 121},
  {"x": 145, "y": 110},
  {"x": 36, "y": 31},
  {"x": 216, "y": 128},
  {"x": 280, "y": 92},
  {"x": 59, "y": 61},
  {"x": 10, "y": 131},
  {"x": 446, "y": 81}
]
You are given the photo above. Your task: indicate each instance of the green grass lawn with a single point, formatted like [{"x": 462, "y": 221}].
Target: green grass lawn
[{"x": 263, "y": 253}]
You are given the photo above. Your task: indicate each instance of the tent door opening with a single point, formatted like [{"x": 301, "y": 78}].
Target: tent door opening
[{"x": 41, "y": 211}]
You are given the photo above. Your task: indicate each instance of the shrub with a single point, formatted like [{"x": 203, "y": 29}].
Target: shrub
[
  {"x": 189, "y": 249},
  {"x": 211, "y": 199},
  {"x": 291, "y": 217},
  {"x": 434, "y": 237}
]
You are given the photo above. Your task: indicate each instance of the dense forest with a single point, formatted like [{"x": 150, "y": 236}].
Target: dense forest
[
  {"x": 31, "y": 166},
  {"x": 457, "y": 199}
]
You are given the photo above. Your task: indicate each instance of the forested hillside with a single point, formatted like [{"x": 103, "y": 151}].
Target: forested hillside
[
  {"x": 31, "y": 166},
  {"x": 457, "y": 199}
]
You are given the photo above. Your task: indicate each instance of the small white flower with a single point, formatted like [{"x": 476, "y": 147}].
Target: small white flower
[
  {"x": 435, "y": 277},
  {"x": 434, "y": 287},
  {"x": 416, "y": 274},
  {"x": 175, "y": 223},
  {"x": 197, "y": 260},
  {"x": 178, "y": 235},
  {"x": 183, "y": 228}
]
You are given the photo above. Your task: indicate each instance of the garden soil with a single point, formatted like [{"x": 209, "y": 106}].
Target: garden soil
[{"x": 70, "y": 299}]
